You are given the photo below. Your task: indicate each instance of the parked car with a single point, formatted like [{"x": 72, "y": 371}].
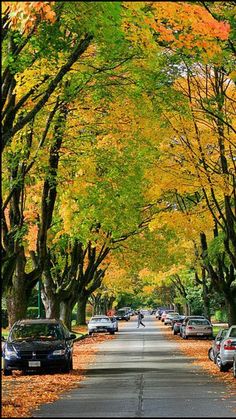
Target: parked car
[
  {"x": 183, "y": 325},
  {"x": 215, "y": 347},
  {"x": 115, "y": 323},
  {"x": 3, "y": 341},
  {"x": 234, "y": 366},
  {"x": 164, "y": 314},
  {"x": 197, "y": 328},
  {"x": 101, "y": 323},
  {"x": 225, "y": 356},
  {"x": 176, "y": 323},
  {"x": 38, "y": 344},
  {"x": 122, "y": 314},
  {"x": 159, "y": 312},
  {"x": 169, "y": 317}
]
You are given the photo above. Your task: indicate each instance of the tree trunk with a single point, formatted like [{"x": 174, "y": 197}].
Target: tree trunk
[
  {"x": 81, "y": 309},
  {"x": 51, "y": 304},
  {"x": 66, "y": 307},
  {"x": 205, "y": 296},
  {"x": 230, "y": 302},
  {"x": 19, "y": 292},
  {"x": 17, "y": 303}
]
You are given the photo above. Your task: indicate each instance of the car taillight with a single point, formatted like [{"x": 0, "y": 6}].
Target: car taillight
[
  {"x": 218, "y": 345},
  {"x": 190, "y": 327},
  {"x": 230, "y": 345}
]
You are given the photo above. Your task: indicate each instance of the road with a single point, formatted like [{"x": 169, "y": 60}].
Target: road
[{"x": 142, "y": 374}]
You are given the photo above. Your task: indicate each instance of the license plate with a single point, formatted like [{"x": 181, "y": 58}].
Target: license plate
[
  {"x": 34, "y": 363},
  {"x": 200, "y": 334}
]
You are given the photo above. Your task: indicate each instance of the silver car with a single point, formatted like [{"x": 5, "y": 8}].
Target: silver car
[
  {"x": 215, "y": 347},
  {"x": 198, "y": 328},
  {"x": 225, "y": 357},
  {"x": 115, "y": 323},
  {"x": 101, "y": 323},
  {"x": 234, "y": 366},
  {"x": 184, "y": 323},
  {"x": 169, "y": 317}
]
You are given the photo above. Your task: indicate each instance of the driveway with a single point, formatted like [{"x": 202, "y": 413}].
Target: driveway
[{"x": 142, "y": 374}]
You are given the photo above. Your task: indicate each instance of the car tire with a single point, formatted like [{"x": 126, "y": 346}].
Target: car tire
[
  {"x": 68, "y": 366},
  {"x": 222, "y": 367},
  {"x": 7, "y": 372},
  {"x": 174, "y": 332},
  {"x": 234, "y": 368},
  {"x": 90, "y": 333},
  {"x": 211, "y": 354},
  {"x": 112, "y": 333}
]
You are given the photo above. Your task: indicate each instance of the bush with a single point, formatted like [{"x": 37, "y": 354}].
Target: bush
[{"x": 221, "y": 316}]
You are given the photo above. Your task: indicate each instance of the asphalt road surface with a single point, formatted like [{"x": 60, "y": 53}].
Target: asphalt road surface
[{"x": 142, "y": 374}]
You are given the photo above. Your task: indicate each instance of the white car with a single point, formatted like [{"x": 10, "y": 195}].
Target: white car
[
  {"x": 225, "y": 356},
  {"x": 101, "y": 323}
]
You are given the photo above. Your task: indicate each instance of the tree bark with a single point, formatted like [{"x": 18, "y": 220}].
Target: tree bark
[{"x": 81, "y": 309}]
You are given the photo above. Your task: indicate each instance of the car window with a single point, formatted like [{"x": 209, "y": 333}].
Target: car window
[
  {"x": 100, "y": 319},
  {"x": 233, "y": 332},
  {"x": 198, "y": 322},
  {"x": 36, "y": 331}
]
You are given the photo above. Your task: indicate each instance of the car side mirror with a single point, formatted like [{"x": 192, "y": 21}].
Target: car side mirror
[{"x": 72, "y": 336}]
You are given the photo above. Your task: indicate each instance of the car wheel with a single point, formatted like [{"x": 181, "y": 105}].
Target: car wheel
[
  {"x": 234, "y": 368},
  {"x": 112, "y": 333},
  {"x": 7, "y": 372},
  {"x": 90, "y": 333},
  {"x": 67, "y": 367},
  {"x": 222, "y": 367},
  {"x": 211, "y": 354},
  {"x": 175, "y": 333}
]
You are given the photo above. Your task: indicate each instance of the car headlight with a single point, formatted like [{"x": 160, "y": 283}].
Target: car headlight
[
  {"x": 59, "y": 352},
  {"x": 10, "y": 353}
]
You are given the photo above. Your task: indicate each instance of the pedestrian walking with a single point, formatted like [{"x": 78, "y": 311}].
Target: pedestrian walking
[{"x": 140, "y": 317}]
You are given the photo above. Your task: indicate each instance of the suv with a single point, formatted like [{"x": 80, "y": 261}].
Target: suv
[
  {"x": 38, "y": 344},
  {"x": 225, "y": 356}
]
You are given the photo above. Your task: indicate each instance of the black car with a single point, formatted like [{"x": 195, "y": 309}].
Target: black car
[
  {"x": 122, "y": 315},
  {"x": 39, "y": 344}
]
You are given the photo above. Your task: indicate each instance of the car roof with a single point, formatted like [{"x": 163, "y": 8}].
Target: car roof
[
  {"x": 37, "y": 321},
  {"x": 99, "y": 315},
  {"x": 196, "y": 317}
]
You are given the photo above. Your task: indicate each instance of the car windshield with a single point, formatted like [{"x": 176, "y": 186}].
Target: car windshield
[
  {"x": 100, "y": 320},
  {"x": 233, "y": 332},
  {"x": 42, "y": 331},
  {"x": 198, "y": 322}
]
